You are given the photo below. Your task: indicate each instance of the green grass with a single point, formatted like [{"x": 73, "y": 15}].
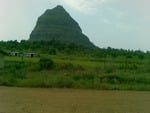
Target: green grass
[{"x": 77, "y": 72}]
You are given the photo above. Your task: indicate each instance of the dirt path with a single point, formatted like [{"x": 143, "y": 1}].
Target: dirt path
[{"x": 30, "y": 100}]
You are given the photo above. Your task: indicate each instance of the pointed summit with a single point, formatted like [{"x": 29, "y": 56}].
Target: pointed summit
[
  {"x": 59, "y": 7},
  {"x": 57, "y": 24}
]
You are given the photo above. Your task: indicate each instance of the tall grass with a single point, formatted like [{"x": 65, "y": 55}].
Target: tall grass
[{"x": 58, "y": 72}]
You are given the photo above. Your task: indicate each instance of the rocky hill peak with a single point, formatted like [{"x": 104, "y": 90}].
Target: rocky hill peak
[{"x": 57, "y": 24}]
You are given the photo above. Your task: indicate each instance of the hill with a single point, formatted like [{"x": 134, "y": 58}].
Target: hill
[{"x": 57, "y": 24}]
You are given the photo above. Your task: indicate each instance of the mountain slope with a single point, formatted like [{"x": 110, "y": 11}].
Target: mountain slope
[{"x": 57, "y": 24}]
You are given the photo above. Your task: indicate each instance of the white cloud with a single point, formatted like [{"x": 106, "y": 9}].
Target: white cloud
[{"x": 84, "y": 6}]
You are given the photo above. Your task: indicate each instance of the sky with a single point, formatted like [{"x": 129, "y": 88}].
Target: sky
[{"x": 108, "y": 23}]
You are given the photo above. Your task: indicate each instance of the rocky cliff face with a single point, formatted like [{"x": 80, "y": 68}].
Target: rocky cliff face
[{"x": 57, "y": 24}]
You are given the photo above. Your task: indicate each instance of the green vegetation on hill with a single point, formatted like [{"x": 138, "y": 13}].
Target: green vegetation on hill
[
  {"x": 72, "y": 66},
  {"x": 57, "y": 24}
]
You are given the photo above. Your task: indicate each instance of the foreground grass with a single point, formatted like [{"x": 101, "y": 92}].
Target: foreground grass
[{"x": 77, "y": 72}]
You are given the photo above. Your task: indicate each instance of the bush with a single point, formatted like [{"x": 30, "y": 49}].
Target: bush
[
  {"x": 113, "y": 79},
  {"x": 64, "y": 82},
  {"x": 46, "y": 63},
  {"x": 66, "y": 66},
  {"x": 52, "y": 51}
]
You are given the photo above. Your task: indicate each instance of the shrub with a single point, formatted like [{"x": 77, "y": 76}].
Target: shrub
[
  {"x": 141, "y": 56},
  {"x": 46, "y": 63},
  {"x": 67, "y": 66},
  {"x": 52, "y": 51},
  {"x": 113, "y": 79}
]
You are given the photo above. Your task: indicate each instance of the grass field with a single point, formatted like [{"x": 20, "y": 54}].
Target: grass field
[
  {"x": 83, "y": 72},
  {"x": 30, "y": 100}
]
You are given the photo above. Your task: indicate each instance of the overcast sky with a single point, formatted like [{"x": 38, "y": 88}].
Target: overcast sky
[{"x": 116, "y": 23}]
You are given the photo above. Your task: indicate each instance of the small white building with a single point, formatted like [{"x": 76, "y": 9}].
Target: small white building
[
  {"x": 14, "y": 53},
  {"x": 23, "y": 54},
  {"x": 30, "y": 55}
]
